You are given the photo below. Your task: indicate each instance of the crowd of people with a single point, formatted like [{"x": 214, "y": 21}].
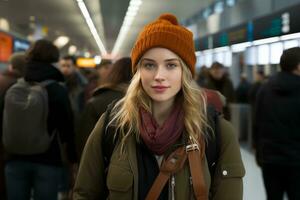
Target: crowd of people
[{"x": 145, "y": 126}]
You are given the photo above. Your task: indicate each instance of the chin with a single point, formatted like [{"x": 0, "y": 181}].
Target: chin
[{"x": 160, "y": 99}]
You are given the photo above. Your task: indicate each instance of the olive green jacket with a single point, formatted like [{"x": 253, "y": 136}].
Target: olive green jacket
[{"x": 122, "y": 178}]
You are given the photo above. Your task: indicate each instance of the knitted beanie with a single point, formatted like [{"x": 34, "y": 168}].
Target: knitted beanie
[{"x": 165, "y": 32}]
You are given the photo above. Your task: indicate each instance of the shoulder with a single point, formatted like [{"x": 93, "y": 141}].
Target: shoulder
[
  {"x": 94, "y": 140},
  {"x": 230, "y": 155}
]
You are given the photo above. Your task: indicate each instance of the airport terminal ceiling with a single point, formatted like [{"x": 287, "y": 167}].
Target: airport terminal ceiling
[{"x": 63, "y": 18}]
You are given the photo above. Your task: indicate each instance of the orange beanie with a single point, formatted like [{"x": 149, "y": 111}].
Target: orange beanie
[{"x": 165, "y": 32}]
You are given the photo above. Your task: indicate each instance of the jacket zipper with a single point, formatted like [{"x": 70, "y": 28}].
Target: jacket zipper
[
  {"x": 172, "y": 187},
  {"x": 191, "y": 187}
]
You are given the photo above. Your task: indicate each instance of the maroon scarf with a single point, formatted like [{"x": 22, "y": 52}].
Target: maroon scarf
[{"x": 159, "y": 139}]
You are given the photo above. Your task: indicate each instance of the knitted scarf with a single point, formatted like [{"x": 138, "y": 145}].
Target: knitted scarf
[{"x": 159, "y": 138}]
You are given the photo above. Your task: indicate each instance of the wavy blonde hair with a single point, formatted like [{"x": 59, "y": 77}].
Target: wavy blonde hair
[{"x": 126, "y": 115}]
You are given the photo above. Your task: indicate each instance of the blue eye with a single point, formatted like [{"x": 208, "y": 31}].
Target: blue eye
[
  {"x": 148, "y": 65},
  {"x": 171, "y": 65}
]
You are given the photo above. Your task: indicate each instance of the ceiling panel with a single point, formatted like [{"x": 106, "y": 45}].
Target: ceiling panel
[{"x": 63, "y": 17}]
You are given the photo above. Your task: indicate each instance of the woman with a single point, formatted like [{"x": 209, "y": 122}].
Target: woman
[
  {"x": 118, "y": 80},
  {"x": 162, "y": 111}
]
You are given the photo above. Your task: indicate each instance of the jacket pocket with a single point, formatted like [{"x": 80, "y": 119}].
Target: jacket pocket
[
  {"x": 119, "y": 183},
  {"x": 232, "y": 171}
]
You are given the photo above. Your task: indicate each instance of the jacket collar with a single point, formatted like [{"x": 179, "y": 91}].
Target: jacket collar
[{"x": 37, "y": 72}]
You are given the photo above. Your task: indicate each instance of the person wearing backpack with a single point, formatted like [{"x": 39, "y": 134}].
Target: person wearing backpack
[
  {"x": 160, "y": 130},
  {"x": 33, "y": 134},
  {"x": 9, "y": 77}
]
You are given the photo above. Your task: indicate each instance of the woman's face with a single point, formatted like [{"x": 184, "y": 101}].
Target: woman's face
[{"x": 161, "y": 74}]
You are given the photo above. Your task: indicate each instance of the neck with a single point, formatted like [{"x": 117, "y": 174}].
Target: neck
[{"x": 161, "y": 111}]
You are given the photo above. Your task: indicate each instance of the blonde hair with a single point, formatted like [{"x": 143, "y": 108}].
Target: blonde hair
[{"x": 126, "y": 115}]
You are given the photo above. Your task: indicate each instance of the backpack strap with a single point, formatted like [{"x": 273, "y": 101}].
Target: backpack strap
[
  {"x": 175, "y": 163},
  {"x": 109, "y": 139},
  {"x": 171, "y": 165},
  {"x": 195, "y": 155},
  {"x": 212, "y": 149}
]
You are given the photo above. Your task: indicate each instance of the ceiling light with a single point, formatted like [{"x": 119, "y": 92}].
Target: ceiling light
[
  {"x": 91, "y": 26},
  {"x": 4, "y": 24},
  {"x": 290, "y": 36},
  {"x": 240, "y": 47},
  {"x": 61, "y": 41},
  {"x": 32, "y": 18},
  {"x": 72, "y": 49},
  {"x": 130, "y": 16},
  {"x": 266, "y": 41},
  {"x": 97, "y": 60},
  {"x": 87, "y": 54}
]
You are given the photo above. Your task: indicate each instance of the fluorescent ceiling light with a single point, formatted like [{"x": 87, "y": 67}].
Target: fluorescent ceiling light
[
  {"x": 61, "y": 41},
  {"x": 290, "y": 36},
  {"x": 132, "y": 10},
  {"x": 220, "y": 49},
  {"x": 72, "y": 49},
  {"x": 240, "y": 47},
  {"x": 4, "y": 24},
  {"x": 198, "y": 53},
  {"x": 266, "y": 41},
  {"x": 97, "y": 60},
  {"x": 91, "y": 26}
]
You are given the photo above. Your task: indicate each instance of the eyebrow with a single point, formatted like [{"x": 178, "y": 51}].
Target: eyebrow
[{"x": 167, "y": 60}]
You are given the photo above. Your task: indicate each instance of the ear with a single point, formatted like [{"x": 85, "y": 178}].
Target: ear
[
  {"x": 297, "y": 70},
  {"x": 10, "y": 68}
]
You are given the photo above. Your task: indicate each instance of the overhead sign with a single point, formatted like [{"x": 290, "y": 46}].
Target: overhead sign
[
  {"x": 86, "y": 62},
  {"x": 20, "y": 45},
  {"x": 279, "y": 23},
  {"x": 234, "y": 35},
  {"x": 204, "y": 43},
  {"x": 6, "y": 45}
]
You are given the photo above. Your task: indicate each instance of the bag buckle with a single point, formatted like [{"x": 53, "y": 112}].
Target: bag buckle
[{"x": 191, "y": 147}]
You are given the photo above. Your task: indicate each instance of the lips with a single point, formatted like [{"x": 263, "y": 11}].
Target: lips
[{"x": 160, "y": 88}]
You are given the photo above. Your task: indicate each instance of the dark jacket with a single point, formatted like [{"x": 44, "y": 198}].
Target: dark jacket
[
  {"x": 7, "y": 79},
  {"x": 95, "y": 107},
  {"x": 277, "y": 125},
  {"x": 124, "y": 178},
  {"x": 59, "y": 117},
  {"x": 225, "y": 87}
]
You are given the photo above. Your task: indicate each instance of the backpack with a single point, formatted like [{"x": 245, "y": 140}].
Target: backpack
[
  {"x": 25, "y": 118},
  {"x": 212, "y": 150}
]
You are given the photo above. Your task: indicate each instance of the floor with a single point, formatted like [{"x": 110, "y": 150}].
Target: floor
[{"x": 253, "y": 183}]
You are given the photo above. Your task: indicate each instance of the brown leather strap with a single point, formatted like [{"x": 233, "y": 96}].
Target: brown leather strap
[
  {"x": 169, "y": 166},
  {"x": 157, "y": 186},
  {"x": 174, "y": 163},
  {"x": 194, "y": 156}
]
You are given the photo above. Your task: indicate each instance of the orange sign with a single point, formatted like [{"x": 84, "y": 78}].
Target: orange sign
[
  {"x": 6, "y": 45},
  {"x": 86, "y": 62}
]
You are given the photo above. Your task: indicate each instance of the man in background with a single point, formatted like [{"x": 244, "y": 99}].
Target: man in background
[
  {"x": 15, "y": 70},
  {"x": 277, "y": 129}
]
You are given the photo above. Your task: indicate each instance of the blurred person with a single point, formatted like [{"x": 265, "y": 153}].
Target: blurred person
[
  {"x": 160, "y": 116},
  {"x": 277, "y": 129},
  {"x": 242, "y": 90},
  {"x": 75, "y": 83},
  {"x": 202, "y": 76},
  {"x": 259, "y": 79},
  {"x": 15, "y": 70},
  {"x": 40, "y": 173},
  {"x": 218, "y": 80},
  {"x": 76, "y": 86},
  {"x": 119, "y": 78},
  {"x": 92, "y": 78},
  {"x": 103, "y": 70}
]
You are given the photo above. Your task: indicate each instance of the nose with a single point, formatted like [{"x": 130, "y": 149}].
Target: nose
[{"x": 160, "y": 74}]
